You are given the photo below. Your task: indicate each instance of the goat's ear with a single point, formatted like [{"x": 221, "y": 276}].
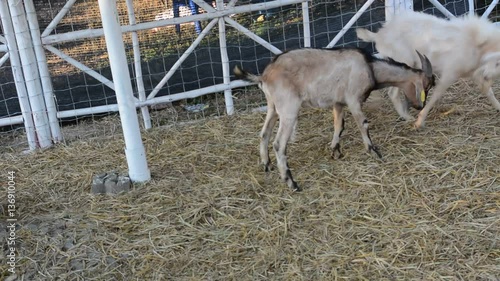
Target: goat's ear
[{"x": 420, "y": 94}]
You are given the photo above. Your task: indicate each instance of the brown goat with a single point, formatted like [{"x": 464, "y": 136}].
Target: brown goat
[{"x": 327, "y": 78}]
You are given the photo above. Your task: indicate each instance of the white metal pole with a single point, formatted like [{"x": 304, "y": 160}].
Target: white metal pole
[
  {"x": 81, "y": 66},
  {"x": 31, "y": 75},
  {"x": 134, "y": 149},
  {"x": 231, "y": 3},
  {"x": 393, "y": 7},
  {"x": 471, "y": 7},
  {"x": 158, "y": 100},
  {"x": 4, "y": 58},
  {"x": 58, "y": 17},
  {"x": 13, "y": 121},
  {"x": 307, "y": 24},
  {"x": 184, "y": 56},
  {"x": 17, "y": 72},
  {"x": 389, "y": 9},
  {"x": 488, "y": 11},
  {"x": 253, "y": 36},
  {"x": 196, "y": 93},
  {"x": 225, "y": 61},
  {"x": 442, "y": 9},
  {"x": 48, "y": 90},
  {"x": 92, "y": 33},
  {"x": 137, "y": 66},
  {"x": 350, "y": 23}
]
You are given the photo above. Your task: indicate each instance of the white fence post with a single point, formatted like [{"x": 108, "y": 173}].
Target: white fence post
[
  {"x": 134, "y": 149},
  {"x": 307, "y": 24},
  {"x": 17, "y": 72},
  {"x": 471, "y": 7},
  {"x": 48, "y": 90},
  {"x": 225, "y": 61},
  {"x": 137, "y": 66},
  {"x": 31, "y": 75},
  {"x": 393, "y": 7}
]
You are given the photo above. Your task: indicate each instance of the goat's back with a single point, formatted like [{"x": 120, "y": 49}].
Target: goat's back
[
  {"x": 319, "y": 77},
  {"x": 449, "y": 44}
]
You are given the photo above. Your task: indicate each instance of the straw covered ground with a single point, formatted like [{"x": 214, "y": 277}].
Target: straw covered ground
[{"x": 430, "y": 210}]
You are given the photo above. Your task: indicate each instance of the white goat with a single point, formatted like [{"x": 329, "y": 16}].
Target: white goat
[
  {"x": 328, "y": 78},
  {"x": 457, "y": 48}
]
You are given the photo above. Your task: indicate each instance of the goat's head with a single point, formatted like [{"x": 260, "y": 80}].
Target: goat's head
[{"x": 417, "y": 89}]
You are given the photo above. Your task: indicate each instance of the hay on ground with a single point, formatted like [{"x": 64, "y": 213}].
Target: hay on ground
[{"x": 429, "y": 211}]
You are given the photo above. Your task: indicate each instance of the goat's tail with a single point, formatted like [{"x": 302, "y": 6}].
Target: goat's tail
[
  {"x": 245, "y": 75},
  {"x": 365, "y": 34}
]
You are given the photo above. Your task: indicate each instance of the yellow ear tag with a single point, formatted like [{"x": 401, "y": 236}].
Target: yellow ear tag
[{"x": 422, "y": 96}]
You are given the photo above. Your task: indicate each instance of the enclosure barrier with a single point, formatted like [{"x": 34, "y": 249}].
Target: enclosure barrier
[
  {"x": 392, "y": 6},
  {"x": 15, "y": 61},
  {"x": 45, "y": 79},
  {"x": 33, "y": 83},
  {"x": 212, "y": 14},
  {"x": 31, "y": 75}
]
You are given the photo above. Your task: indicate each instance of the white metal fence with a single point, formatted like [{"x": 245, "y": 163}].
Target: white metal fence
[{"x": 55, "y": 65}]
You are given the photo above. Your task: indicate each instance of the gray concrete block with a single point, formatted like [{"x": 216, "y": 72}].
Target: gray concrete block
[
  {"x": 98, "y": 184},
  {"x": 111, "y": 183}
]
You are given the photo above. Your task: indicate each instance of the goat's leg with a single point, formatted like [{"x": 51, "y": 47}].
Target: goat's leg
[
  {"x": 338, "y": 121},
  {"x": 485, "y": 87},
  {"x": 293, "y": 137},
  {"x": 438, "y": 92},
  {"x": 363, "y": 127},
  {"x": 284, "y": 132},
  {"x": 265, "y": 135},
  {"x": 491, "y": 97},
  {"x": 400, "y": 105}
]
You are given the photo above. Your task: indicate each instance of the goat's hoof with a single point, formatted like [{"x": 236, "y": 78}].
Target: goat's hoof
[
  {"x": 375, "y": 150},
  {"x": 408, "y": 118},
  {"x": 290, "y": 182},
  {"x": 418, "y": 127},
  {"x": 336, "y": 154},
  {"x": 295, "y": 187},
  {"x": 419, "y": 124},
  {"x": 268, "y": 167}
]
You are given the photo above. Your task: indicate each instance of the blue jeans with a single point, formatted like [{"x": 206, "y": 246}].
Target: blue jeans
[{"x": 194, "y": 11}]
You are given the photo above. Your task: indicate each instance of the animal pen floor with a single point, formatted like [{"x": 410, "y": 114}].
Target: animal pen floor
[{"x": 430, "y": 210}]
